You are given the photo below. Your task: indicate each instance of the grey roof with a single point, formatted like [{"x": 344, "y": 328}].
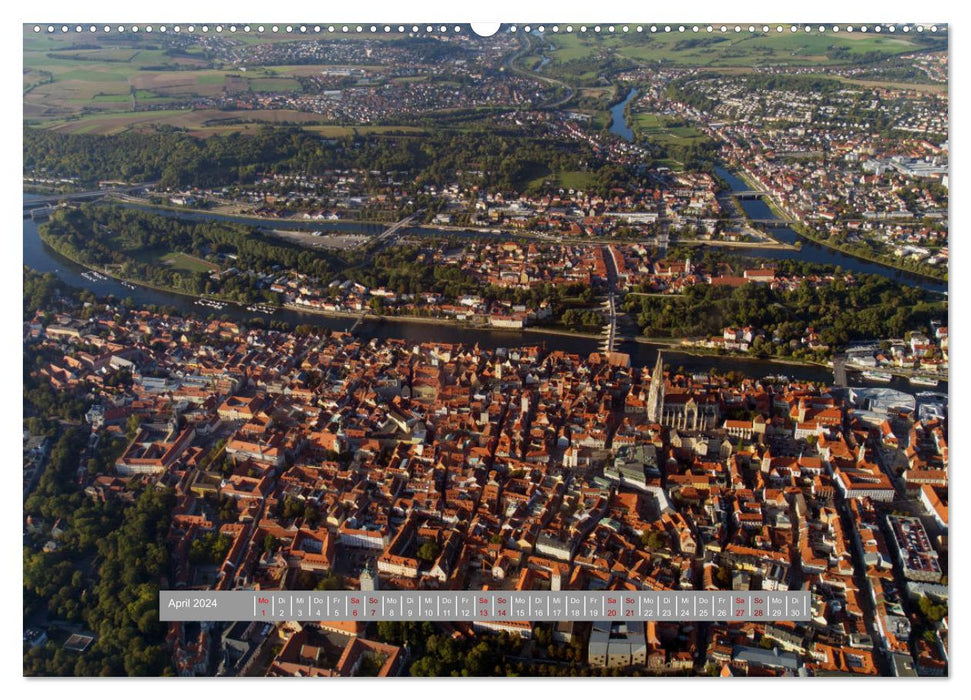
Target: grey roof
[{"x": 757, "y": 656}]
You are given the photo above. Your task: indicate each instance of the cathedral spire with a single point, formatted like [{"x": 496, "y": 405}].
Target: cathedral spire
[{"x": 655, "y": 399}]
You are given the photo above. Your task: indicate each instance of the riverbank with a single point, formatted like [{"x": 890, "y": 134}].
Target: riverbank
[
  {"x": 886, "y": 261},
  {"x": 330, "y": 313},
  {"x": 677, "y": 345},
  {"x": 673, "y": 344},
  {"x": 371, "y": 316},
  {"x": 740, "y": 245},
  {"x": 281, "y": 230},
  {"x": 437, "y": 321},
  {"x": 706, "y": 352},
  {"x": 265, "y": 222},
  {"x": 899, "y": 372},
  {"x": 45, "y": 191},
  {"x": 620, "y": 103},
  {"x": 353, "y": 315}
]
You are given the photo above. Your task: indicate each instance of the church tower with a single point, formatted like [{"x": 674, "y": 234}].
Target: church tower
[
  {"x": 655, "y": 398},
  {"x": 369, "y": 581}
]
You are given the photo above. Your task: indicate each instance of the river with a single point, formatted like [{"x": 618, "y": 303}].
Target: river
[
  {"x": 618, "y": 120},
  {"x": 757, "y": 209},
  {"x": 40, "y": 257},
  {"x": 814, "y": 252},
  {"x": 544, "y": 59}
]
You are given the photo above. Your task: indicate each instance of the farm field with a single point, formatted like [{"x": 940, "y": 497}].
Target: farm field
[
  {"x": 107, "y": 91},
  {"x": 68, "y": 75},
  {"x": 201, "y": 121},
  {"x": 208, "y": 122},
  {"x": 97, "y": 83},
  {"x": 731, "y": 49}
]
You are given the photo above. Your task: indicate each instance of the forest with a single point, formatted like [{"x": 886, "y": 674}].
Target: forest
[
  {"x": 135, "y": 244},
  {"x": 175, "y": 160},
  {"x": 872, "y": 308},
  {"x": 100, "y": 571},
  {"x": 103, "y": 575},
  {"x": 132, "y": 244}
]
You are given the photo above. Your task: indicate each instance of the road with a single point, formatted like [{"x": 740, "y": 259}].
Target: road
[
  {"x": 839, "y": 370},
  {"x": 898, "y": 371},
  {"x": 511, "y": 65},
  {"x": 395, "y": 227},
  {"x": 663, "y": 240}
]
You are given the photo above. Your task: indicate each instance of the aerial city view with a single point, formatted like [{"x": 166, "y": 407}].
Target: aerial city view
[{"x": 567, "y": 308}]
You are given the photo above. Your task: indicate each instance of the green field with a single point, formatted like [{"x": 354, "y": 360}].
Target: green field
[
  {"x": 567, "y": 179},
  {"x": 102, "y": 55},
  {"x": 410, "y": 79},
  {"x": 658, "y": 129},
  {"x": 107, "y": 98},
  {"x": 282, "y": 37},
  {"x": 95, "y": 72},
  {"x": 208, "y": 122},
  {"x": 183, "y": 262}
]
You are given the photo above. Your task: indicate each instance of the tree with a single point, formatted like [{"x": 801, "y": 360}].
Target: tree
[
  {"x": 331, "y": 582},
  {"x": 132, "y": 425},
  {"x": 934, "y": 613},
  {"x": 428, "y": 552},
  {"x": 270, "y": 544},
  {"x": 653, "y": 540}
]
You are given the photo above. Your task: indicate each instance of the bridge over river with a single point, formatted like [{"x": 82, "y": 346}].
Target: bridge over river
[{"x": 52, "y": 200}]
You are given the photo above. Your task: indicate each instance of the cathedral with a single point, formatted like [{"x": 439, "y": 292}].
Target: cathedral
[{"x": 682, "y": 411}]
